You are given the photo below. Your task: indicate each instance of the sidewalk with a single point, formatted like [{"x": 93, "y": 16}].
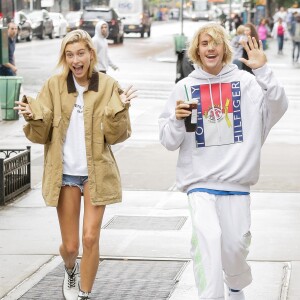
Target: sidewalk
[{"x": 145, "y": 243}]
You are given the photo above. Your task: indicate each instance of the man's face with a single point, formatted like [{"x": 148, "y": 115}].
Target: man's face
[
  {"x": 104, "y": 30},
  {"x": 211, "y": 54},
  {"x": 12, "y": 30}
]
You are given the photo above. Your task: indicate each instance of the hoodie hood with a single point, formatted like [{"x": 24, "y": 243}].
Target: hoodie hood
[
  {"x": 199, "y": 73},
  {"x": 98, "y": 33}
]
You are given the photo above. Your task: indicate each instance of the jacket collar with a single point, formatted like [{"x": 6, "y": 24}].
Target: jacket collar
[{"x": 93, "y": 86}]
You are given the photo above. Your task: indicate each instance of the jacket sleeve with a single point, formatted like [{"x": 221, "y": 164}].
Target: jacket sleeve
[
  {"x": 116, "y": 121},
  {"x": 171, "y": 130},
  {"x": 275, "y": 102},
  {"x": 38, "y": 128}
]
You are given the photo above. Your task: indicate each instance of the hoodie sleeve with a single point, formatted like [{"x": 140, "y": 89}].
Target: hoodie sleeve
[
  {"x": 275, "y": 102},
  {"x": 171, "y": 130}
]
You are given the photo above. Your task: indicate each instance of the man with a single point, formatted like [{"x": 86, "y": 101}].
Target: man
[
  {"x": 219, "y": 161},
  {"x": 101, "y": 45},
  {"x": 9, "y": 69}
]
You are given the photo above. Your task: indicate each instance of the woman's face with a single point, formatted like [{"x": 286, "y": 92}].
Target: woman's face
[
  {"x": 78, "y": 58},
  {"x": 247, "y": 31}
]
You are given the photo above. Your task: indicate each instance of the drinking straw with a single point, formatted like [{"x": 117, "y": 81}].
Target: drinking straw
[{"x": 186, "y": 92}]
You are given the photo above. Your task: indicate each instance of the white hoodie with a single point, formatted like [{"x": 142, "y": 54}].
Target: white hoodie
[
  {"x": 101, "y": 45},
  {"x": 224, "y": 152}
]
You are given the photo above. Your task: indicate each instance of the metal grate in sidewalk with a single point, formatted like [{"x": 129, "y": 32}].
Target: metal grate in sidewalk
[
  {"x": 146, "y": 223},
  {"x": 119, "y": 280}
]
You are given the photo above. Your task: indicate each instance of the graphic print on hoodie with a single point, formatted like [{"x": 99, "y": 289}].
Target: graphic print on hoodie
[{"x": 218, "y": 114}]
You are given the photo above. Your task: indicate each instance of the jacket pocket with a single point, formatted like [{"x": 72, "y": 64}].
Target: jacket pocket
[
  {"x": 108, "y": 183},
  {"x": 97, "y": 129}
]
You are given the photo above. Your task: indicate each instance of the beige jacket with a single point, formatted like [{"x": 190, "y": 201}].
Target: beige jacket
[{"x": 106, "y": 122}]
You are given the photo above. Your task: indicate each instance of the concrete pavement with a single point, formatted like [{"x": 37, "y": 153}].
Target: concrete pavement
[{"x": 29, "y": 236}]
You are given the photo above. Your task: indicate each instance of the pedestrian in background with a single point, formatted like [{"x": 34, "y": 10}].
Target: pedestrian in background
[
  {"x": 280, "y": 33},
  {"x": 101, "y": 46},
  {"x": 250, "y": 30},
  {"x": 77, "y": 119},
  {"x": 219, "y": 159},
  {"x": 237, "y": 46},
  {"x": 295, "y": 34},
  {"x": 263, "y": 32},
  {"x": 281, "y": 13},
  {"x": 10, "y": 69}
]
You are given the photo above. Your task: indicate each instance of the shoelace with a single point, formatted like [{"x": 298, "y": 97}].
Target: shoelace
[
  {"x": 84, "y": 297},
  {"x": 72, "y": 279}
]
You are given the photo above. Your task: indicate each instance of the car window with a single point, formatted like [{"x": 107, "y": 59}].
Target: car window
[
  {"x": 35, "y": 15},
  {"x": 54, "y": 16},
  {"x": 104, "y": 15},
  {"x": 73, "y": 15}
]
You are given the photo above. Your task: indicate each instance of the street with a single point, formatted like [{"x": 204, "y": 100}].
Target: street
[
  {"x": 29, "y": 233},
  {"x": 149, "y": 64}
]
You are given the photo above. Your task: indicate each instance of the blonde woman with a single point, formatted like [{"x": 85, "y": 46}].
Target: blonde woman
[{"x": 77, "y": 115}]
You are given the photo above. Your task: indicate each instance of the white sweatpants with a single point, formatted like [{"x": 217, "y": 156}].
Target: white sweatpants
[{"x": 220, "y": 242}]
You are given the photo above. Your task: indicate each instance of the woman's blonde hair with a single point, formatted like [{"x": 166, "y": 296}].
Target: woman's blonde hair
[
  {"x": 77, "y": 36},
  {"x": 218, "y": 35}
]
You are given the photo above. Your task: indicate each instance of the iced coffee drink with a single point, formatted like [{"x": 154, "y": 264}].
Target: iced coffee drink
[{"x": 191, "y": 121}]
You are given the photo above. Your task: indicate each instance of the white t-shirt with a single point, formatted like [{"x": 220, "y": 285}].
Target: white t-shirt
[{"x": 74, "y": 153}]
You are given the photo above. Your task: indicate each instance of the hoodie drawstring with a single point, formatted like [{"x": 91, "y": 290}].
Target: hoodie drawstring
[{"x": 213, "y": 107}]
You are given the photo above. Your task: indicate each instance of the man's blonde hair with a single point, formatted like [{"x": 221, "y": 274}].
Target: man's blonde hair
[
  {"x": 218, "y": 35},
  {"x": 77, "y": 36}
]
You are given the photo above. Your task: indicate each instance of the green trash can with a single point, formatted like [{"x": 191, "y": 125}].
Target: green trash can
[
  {"x": 180, "y": 42},
  {"x": 9, "y": 93}
]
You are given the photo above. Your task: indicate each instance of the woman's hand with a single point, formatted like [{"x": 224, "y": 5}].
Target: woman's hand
[
  {"x": 24, "y": 109},
  {"x": 256, "y": 55},
  {"x": 128, "y": 94}
]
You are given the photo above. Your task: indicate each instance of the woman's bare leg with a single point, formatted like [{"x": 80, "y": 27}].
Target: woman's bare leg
[
  {"x": 92, "y": 220},
  {"x": 68, "y": 211}
]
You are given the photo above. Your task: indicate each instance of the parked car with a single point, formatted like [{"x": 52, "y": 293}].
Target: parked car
[
  {"x": 73, "y": 18},
  {"x": 24, "y": 26},
  {"x": 42, "y": 24},
  {"x": 60, "y": 24},
  {"x": 91, "y": 16}
]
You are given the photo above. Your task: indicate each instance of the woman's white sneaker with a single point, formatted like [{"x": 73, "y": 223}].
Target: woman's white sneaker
[{"x": 71, "y": 283}]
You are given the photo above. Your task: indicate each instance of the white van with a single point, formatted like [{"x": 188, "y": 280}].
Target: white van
[{"x": 136, "y": 14}]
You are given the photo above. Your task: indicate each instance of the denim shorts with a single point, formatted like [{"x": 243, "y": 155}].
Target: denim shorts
[{"x": 70, "y": 180}]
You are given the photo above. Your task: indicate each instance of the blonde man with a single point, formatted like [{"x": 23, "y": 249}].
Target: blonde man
[{"x": 219, "y": 153}]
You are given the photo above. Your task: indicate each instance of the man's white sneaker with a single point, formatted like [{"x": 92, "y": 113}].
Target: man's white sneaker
[
  {"x": 71, "y": 283},
  {"x": 236, "y": 295}
]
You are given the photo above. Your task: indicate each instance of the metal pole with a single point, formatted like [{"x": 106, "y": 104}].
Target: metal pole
[
  {"x": 230, "y": 25},
  {"x": 2, "y": 181},
  {"x": 81, "y": 5},
  {"x": 181, "y": 17}
]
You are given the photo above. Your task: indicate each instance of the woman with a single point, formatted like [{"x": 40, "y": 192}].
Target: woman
[
  {"x": 280, "y": 32},
  {"x": 249, "y": 30},
  {"x": 263, "y": 32},
  {"x": 78, "y": 114}
]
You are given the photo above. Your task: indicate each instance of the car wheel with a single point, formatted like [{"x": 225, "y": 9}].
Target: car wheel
[
  {"x": 117, "y": 40},
  {"x": 122, "y": 39},
  {"x": 43, "y": 35},
  {"x": 51, "y": 34},
  {"x": 18, "y": 38},
  {"x": 29, "y": 38}
]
